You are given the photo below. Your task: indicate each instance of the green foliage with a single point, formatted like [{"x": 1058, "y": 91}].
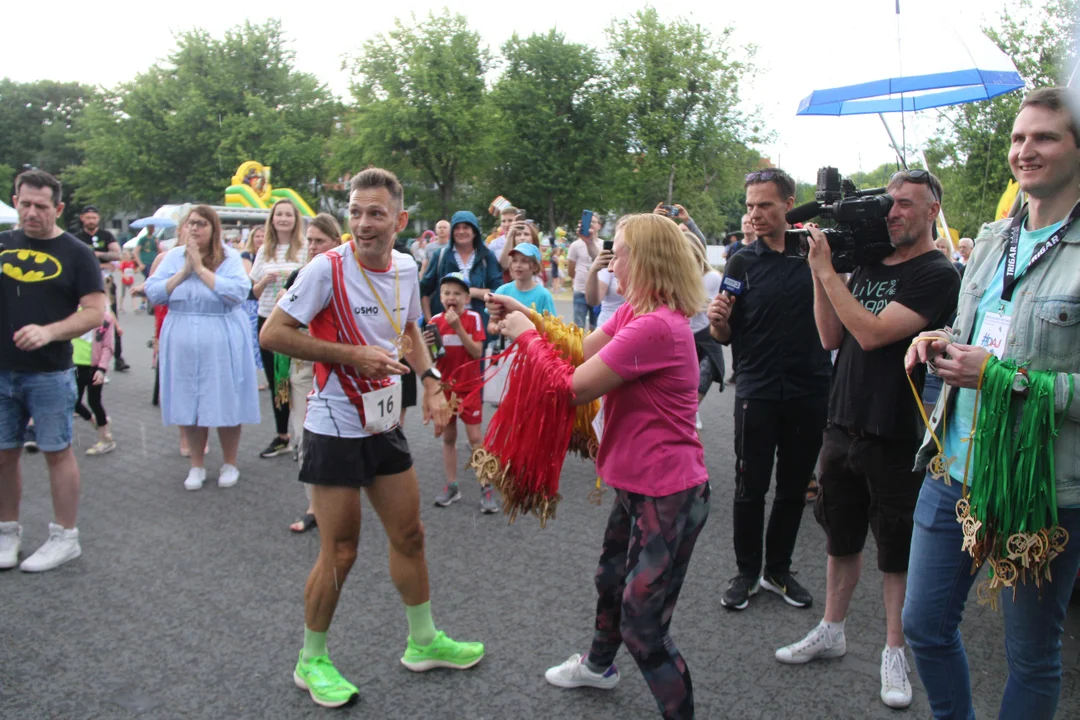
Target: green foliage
[
  {"x": 679, "y": 88},
  {"x": 556, "y": 130},
  {"x": 37, "y": 119},
  {"x": 178, "y": 131},
  {"x": 970, "y": 153},
  {"x": 7, "y": 181},
  {"x": 562, "y": 126},
  {"x": 419, "y": 108}
]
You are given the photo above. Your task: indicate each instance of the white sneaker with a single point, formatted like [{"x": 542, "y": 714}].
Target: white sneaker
[
  {"x": 195, "y": 478},
  {"x": 895, "y": 687},
  {"x": 228, "y": 476},
  {"x": 819, "y": 643},
  {"x": 62, "y": 545},
  {"x": 10, "y": 539},
  {"x": 698, "y": 424},
  {"x": 575, "y": 673}
]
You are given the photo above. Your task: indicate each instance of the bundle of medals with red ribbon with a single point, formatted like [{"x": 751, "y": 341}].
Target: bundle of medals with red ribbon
[{"x": 536, "y": 424}]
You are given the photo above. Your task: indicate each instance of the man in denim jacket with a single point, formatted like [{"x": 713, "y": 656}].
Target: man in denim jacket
[{"x": 1029, "y": 315}]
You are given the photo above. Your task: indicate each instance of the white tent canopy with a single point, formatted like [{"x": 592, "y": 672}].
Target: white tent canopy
[{"x": 8, "y": 216}]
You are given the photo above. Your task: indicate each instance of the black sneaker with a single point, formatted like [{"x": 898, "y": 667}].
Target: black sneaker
[
  {"x": 739, "y": 591},
  {"x": 121, "y": 366},
  {"x": 786, "y": 586},
  {"x": 276, "y": 447}
]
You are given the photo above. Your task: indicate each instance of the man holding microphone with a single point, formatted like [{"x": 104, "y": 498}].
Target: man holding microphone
[{"x": 766, "y": 313}]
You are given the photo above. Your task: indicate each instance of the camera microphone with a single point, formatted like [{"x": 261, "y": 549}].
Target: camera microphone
[{"x": 802, "y": 213}]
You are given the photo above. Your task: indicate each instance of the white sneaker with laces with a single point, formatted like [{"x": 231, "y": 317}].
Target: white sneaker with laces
[
  {"x": 575, "y": 673},
  {"x": 62, "y": 545},
  {"x": 195, "y": 478},
  {"x": 228, "y": 476},
  {"x": 819, "y": 643},
  {"x": 10, "y": 540},
  {"x": 895, "y": 686}
]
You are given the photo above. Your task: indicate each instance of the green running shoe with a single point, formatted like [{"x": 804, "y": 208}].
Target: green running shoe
[
  {"x": 322, "y": 680},
  {"x": 442, "y": 653}
]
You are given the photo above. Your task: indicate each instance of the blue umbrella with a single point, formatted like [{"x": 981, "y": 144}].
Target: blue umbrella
[
  {"x": 157, "y": 222},
  {"x": 934, "y": 66}
]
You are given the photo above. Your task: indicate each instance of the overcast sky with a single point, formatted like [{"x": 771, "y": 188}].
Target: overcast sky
[{"x": 803, "y": 45}]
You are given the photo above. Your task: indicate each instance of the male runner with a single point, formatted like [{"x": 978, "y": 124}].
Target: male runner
[{"x": 361, "y": 302}]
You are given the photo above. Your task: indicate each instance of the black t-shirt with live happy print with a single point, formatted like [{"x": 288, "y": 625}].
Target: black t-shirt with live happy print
[
  {"x": 41, "y": 282},
  {"x": 870, "y": 392}
]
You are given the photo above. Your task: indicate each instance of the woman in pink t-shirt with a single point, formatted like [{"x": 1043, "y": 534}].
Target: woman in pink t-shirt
[{"x": 644, "y": 363}]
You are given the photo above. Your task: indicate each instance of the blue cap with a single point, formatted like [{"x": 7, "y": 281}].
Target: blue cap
[
  {"x": 456, "y": 277},
  {"x": 528, "y": 250}
]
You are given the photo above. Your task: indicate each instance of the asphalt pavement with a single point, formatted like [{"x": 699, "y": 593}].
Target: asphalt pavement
[{"x": 190, "y": 604}]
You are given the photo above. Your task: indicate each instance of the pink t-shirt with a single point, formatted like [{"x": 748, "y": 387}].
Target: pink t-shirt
[{"x": 649, "y": 444}]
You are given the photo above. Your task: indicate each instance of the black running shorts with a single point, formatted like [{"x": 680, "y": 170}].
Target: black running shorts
[{"x": 353, "y": 462}]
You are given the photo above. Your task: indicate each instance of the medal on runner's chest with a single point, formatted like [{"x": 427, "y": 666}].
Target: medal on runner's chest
[{"x": 402, "y": 342}]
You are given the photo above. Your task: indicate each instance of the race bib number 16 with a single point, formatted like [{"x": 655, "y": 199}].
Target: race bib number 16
[{"x": 382, "y": 409}]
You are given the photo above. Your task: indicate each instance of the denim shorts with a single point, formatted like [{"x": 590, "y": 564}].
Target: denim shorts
[{"x": 47, "y": 397}]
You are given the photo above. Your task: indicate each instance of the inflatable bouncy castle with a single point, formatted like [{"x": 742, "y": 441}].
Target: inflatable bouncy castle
[{"x": 251, "y": 188}]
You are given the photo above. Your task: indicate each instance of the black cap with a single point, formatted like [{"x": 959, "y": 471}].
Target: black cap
[{"x": 90, "y": 208}]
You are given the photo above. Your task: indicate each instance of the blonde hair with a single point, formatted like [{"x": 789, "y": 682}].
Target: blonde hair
[
  {"x": 699, "y": 252},
  {"x": 249, "y": 244},
  {"x": 296, "y": 237},
  {"x": 663, "y": 268}
]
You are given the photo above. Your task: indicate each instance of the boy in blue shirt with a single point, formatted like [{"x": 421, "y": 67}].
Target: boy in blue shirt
[{"x": 524, "y": 266}]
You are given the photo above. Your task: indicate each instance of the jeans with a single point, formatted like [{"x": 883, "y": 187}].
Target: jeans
[
  {"x": 789, "y": 431},
  {"x": 46, "y": 397},
  {"x": 939, "y": 580},
  {"x": 931, "y": 391},
  {"x": 647, "y": 547},
  {"x": 583, "y": 313}
]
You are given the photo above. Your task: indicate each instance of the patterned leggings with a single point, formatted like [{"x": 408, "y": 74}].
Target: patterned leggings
[{"x": 647, "y": 548}]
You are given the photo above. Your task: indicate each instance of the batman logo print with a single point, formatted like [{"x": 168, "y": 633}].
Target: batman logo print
[{"x": 29, "y": 266}]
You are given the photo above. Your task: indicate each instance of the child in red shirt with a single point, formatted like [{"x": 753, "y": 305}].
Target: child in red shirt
[
  {"x": 459, "y": 331},
  {"x": 127, "y": 280}
]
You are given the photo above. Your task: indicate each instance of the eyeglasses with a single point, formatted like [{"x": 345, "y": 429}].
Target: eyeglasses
[
  {"x": 763, "y": 176},
  {"x": 197, "y": 224},
  {"x": 919, "y": 177}
]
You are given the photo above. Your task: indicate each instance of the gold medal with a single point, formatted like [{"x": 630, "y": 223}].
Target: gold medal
[{"x": 402, "y": 342}]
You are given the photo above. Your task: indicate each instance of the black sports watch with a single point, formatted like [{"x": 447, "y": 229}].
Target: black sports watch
[{"x": 431, "y": 372}]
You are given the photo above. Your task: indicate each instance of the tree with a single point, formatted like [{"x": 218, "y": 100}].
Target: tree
[
  {"x": 970, "y": 154},
  {"x": 679, "y": 87},
  {"x": 7, "y": 180},
  {"x": 419, "y": 108},
  {"x": 37, "y": 120},
  {"x": 178, "y": 131},
  {"x": 555, "y": 129}
]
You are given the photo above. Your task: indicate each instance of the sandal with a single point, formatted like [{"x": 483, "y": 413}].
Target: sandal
[
  {"x": 304, "y": 524},
  {"x": 812, "y": 491}
]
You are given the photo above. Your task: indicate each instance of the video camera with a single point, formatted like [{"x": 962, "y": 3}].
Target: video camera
[{"x": 861, "y": 233}]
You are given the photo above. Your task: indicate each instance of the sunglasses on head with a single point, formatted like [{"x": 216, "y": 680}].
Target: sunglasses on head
[
  {"x": 919, "y": 177},
  {"x": 762, "y": 176}
]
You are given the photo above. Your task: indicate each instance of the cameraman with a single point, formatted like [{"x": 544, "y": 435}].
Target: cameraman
[
  {"x": 874, "y": 426},
  {"x": 781, "y": 396}
]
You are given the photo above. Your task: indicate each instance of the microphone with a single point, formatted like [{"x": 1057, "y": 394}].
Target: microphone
[
  {"x": 802, "y": 213},
  {"x": 731, "y": 286}
]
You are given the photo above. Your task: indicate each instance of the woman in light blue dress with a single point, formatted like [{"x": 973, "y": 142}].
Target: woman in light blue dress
[{"x": 207, "y": 366}]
